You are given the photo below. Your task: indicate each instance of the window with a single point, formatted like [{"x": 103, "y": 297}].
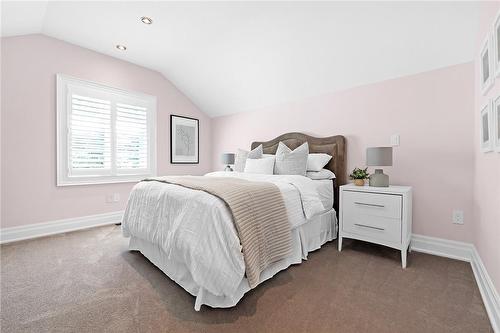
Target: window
[{"x": 104, "y": 135}]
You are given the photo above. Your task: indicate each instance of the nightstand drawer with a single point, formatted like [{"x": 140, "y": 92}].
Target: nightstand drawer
[
  {"x": 371, "y": 204},
  {"x": 375, "y": 227}
]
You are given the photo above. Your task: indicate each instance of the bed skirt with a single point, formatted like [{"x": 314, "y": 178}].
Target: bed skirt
[{"x": 305, "y": 238}]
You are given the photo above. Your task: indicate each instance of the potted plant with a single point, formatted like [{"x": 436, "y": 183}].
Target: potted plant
[{"x": 359, "y": 176}]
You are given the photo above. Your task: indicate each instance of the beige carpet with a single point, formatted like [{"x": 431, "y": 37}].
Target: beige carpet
[{"x": 89, "y": 282}]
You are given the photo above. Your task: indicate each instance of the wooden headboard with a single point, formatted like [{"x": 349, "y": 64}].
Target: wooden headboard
[{"x": 332, "y": 145}]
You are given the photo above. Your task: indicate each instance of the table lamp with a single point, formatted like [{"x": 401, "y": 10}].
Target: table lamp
[
  {"x": 379, "y": 156},
  {"x": 227, "y": 159}
]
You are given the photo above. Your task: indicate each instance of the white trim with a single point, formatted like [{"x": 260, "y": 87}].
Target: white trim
[
  {"x": 466, "y": 252},
  {"x": 441, "y": 247},
  {"x": 13, "y": 234},
  {"x": 106, "y": 180},
  {"x": 489, "y": 294}
]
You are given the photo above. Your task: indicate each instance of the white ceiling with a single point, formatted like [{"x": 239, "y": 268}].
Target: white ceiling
[{"x": 231, "y": 57}]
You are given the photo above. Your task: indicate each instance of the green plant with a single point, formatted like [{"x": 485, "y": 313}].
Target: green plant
[{"x": 358, "y": 173}]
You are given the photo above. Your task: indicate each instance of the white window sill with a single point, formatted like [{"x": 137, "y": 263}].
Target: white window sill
[{"x": 99, "y": 181}]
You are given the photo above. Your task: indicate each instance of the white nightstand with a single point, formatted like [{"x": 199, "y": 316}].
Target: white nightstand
[{"x": 380, "y": 215}]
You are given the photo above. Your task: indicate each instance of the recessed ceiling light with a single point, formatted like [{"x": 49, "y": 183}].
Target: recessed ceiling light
[
  {"x": 121, "y": 47},
  {"x": 146, "y": 20}
]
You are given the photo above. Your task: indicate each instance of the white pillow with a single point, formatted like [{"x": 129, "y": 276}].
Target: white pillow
[
  {"x": 243, "y": 155},
  {"x": 319, "y": 175},
  {"x": 317, "y": 161},
  {"x": 264, "y": 166}
]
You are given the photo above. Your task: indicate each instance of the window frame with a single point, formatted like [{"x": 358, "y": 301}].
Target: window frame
[{"x": 64, "y": 84}]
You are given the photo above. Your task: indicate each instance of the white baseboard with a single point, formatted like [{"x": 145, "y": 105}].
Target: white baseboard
[
  {"x": 442, "y": 247},
  {"x": 465, "y": 252},
  {"x": 488, "y": 292},
  {"x": 8, "y": 235}
]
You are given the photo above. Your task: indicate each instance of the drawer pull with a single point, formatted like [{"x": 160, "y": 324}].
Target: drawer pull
[
  {"x": 368, "y": 226},
  {"x": 367, "y": 204}
]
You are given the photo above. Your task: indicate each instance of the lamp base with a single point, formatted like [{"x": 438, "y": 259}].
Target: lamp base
[
  {"x": 228, "y": 168},
  {"x": 379, "y": 179}
]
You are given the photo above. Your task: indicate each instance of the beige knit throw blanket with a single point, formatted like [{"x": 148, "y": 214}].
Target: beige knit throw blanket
[{"x": 259, "y": 215}]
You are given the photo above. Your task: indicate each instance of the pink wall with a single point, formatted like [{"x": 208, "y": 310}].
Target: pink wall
[
  {"x": 431, "y": 111},
  {"x": 486, "y": 168},
  {"x": 29, "y": 193}
]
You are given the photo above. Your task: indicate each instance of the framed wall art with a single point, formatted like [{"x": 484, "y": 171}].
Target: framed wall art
[
  {"x": 184, "y": 140},
  {"x": 496, "y": 123},
  {"x": 486, "y": 71},
  {"x": 486, "y": 132},
  {"x": 496, "y": 45}
]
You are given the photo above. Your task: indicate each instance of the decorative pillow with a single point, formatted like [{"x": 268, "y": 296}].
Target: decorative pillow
[
  {"x": 242, "y": 155},
  {"x": 317, "y": 161},
  {"x": 319, "y": 175},
  {"x": 290, "y": 162},
  {"x": 263, "y": 166}
]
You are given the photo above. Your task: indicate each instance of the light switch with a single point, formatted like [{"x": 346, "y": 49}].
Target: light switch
[{"x": 395, "y": 140}]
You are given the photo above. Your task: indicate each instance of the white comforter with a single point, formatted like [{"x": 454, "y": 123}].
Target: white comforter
[{"x": 196, "y": 228}]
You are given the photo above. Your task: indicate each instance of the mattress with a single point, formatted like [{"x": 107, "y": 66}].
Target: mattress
[{"x": 307, "y": 237}]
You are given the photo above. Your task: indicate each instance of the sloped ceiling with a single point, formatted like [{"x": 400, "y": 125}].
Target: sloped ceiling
[{"x": 231, "y": 57}]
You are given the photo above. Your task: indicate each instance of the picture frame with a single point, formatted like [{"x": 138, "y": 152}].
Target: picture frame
[
  {"x": 486, "y": 137},
  {"x": 184, "y": 140},
  {"x": 496, "y": 45},
  {"x": 485, "y": 63},
  {"x": 496, "y": 123}
]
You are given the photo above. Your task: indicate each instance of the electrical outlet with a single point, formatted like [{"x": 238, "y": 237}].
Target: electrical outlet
[
  {"x": 458, "y": 217},
  {"x": 395, "y": 140},
  {"x": 115, "y": 197}
]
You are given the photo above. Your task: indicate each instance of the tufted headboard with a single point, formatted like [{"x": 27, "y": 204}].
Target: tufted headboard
[{"x": 332, "y": 145}]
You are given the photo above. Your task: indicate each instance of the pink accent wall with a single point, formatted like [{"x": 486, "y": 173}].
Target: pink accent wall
[
  {"x": 431, "y": 111},
  {"x": 28, "y": 134},
  {"x": 486, "y": 167}
]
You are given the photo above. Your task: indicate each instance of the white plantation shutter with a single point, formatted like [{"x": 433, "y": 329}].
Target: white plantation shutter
[
  {"x": 90, "y": 135},
  {"x": 104, "y": 134},
  {"x": 131, "y": 137}
]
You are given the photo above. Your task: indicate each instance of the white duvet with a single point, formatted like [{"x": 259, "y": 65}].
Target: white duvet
[{"x": 196, "y": 228}]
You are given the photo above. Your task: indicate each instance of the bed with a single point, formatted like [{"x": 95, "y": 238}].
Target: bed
[{"x": 190, "y": 235}]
